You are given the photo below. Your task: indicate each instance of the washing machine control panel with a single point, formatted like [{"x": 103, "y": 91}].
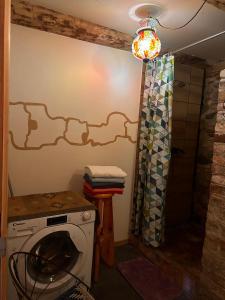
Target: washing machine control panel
[
  {"x": 86, "y": 216},
  {"x": 29, "y": 227},
  {"x": 56, "y": 220}
]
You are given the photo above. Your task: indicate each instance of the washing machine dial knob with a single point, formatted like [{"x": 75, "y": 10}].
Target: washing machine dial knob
[{"x": 86, "y": 216}]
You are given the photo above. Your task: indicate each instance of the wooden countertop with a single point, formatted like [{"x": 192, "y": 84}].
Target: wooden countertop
[{"x": 42, "y": 205}]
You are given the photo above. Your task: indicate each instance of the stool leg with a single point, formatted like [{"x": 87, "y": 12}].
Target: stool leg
[
  {"x": 107, "y": 246},
  {"x": 97, "y": 262},
  {"x": 104, "y": 235},
  {"x": 100, "y": 205}
]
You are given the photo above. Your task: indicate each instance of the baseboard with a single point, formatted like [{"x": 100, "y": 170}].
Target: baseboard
[{"x": 120, "y": 243}]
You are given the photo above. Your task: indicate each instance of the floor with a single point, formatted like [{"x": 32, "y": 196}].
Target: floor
[
  {"x": 183, "y": 248},
  {"x": 111, "y": 284},
  {"x": 179, "y": 258}
]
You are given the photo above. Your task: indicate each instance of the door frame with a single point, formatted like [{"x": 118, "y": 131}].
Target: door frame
[{"x": 5, "y": 10}]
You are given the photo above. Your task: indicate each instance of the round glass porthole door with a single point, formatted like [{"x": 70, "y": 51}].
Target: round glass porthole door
[{"x": 60, "y": 254}]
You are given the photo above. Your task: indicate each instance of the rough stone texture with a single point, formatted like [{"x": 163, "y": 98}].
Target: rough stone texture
[
  {"x": 206, "y": 140},
  {"x": 218, "y": 3},
  {"x": 186, "y": 59},
  {"x": 38, "y": 17},
  {"x": 213, "y": 259},
  {"x": 26, "y": 14}
]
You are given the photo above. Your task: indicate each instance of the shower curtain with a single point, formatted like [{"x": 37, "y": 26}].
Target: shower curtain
[{"x": 154, "y": 151}]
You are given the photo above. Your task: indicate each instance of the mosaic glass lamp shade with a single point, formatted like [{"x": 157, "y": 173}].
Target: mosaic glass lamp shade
[{"x": 146, "y": 45}]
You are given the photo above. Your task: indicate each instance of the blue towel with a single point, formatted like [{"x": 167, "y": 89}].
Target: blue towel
[{"x": 103, "y": 184}]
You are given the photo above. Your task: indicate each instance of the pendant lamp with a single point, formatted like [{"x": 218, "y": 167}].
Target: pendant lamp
[{"x": 146, "y": 45}]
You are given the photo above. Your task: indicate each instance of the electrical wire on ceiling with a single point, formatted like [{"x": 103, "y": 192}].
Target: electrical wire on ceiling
[
  {"x": 176, "y": 28},
  {"x": 144, "y": 37}
]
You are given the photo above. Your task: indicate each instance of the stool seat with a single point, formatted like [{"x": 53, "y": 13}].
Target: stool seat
[{"x": 104, "y": 241}]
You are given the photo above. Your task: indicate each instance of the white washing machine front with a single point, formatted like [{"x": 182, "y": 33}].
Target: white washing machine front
[
  {"x": 63, "y": 245},
  {"x": 66, "y": 240}
]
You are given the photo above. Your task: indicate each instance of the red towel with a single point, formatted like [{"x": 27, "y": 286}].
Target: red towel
[
  {"x": 93, "y": 194},
  {"x": 89, "y": 189}
]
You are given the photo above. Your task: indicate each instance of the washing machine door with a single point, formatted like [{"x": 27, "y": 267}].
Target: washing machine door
[{"x": 65, "y": 246}]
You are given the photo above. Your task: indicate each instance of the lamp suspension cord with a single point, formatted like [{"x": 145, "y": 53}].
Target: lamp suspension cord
[{"x": 176, "y": 28}]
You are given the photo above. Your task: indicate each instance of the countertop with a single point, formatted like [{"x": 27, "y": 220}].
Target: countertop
[{"x": 42, "y": 205}]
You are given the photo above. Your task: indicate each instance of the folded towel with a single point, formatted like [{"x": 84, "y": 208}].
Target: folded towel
[
  {"x": 98, "y": 196},
  {"x": 92, "y": 191},
  {"x": 105, "y": 179},
  {"x": 105, "y": 171},
  {"x": 93, "y": 194},
  {"x": 102, "y": 192},
  {"x": 103, "y": 184}
]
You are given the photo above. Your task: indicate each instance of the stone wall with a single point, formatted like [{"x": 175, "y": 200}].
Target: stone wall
[
  {"x": 205, "y": 148},
  {"x": 38, "y": 17},
  {"x": 213, "y": 260}
]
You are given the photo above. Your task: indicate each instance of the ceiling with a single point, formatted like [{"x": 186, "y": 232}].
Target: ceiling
[{"x": 114, "y": 14}]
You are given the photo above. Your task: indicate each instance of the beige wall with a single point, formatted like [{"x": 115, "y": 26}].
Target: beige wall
[{"x": 77, "y": 85}]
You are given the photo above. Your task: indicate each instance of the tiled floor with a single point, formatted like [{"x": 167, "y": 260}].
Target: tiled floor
[{"x": 179, "y": 259}]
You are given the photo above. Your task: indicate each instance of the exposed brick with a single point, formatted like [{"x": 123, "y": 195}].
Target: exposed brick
[
  {"x": 213, "y": 259},
  {"x": 218, "y": 169},
  {"x": 206, "y": 141},
  {"x": 218, "y": 180}
]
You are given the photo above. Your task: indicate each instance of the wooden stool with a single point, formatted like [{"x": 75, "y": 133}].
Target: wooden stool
[{"x": 104, "y": 241}]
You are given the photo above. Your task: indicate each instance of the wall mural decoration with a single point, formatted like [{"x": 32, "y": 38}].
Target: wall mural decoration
[{"x": 35, "y": 118}]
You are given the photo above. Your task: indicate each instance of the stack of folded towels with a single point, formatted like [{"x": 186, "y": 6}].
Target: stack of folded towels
[{"x": 103, "y": 180}]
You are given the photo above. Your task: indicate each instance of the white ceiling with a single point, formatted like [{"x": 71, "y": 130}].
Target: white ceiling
[{"x": 114, "y": 14}]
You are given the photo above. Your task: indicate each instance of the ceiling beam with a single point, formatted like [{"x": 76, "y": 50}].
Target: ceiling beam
[
  {"x": 187, "y": 59},
  {"x": 38, "y": 17},
  {"x": 26, "y": 14},
  {"x": 218, "y": 3}
]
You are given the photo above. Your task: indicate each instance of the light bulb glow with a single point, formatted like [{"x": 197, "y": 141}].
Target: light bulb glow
[{"x": 146, "y": 46}]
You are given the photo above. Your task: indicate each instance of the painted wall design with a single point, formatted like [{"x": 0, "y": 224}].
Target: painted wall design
[
  {"x": 72, "y": 104},
  {"x": 35, "y": 118}
]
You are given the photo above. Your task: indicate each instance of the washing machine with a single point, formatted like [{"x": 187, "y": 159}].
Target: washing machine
[{"x": 68, "y": 237}]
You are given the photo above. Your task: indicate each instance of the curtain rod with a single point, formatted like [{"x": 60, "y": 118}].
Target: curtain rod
[{"x": 196, "y": 43}]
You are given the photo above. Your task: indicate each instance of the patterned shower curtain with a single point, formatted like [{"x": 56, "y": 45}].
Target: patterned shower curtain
[{"x": 154, "y": 151}]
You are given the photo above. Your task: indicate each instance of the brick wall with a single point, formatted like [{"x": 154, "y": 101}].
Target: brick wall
[
  {"x": 206, "y": 138},
  {"x": 213, "y": 259}
]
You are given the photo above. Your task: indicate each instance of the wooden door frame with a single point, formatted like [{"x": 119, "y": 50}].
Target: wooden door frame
[{"x": 5, "y": 7}]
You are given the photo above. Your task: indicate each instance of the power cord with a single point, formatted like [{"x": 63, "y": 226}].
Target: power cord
[{"x": 176, "y": 28}]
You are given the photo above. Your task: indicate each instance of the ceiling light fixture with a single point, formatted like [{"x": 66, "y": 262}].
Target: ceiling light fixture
[{"x": 146, "y": 45}]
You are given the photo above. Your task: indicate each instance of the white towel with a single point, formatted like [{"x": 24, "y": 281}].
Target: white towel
[{"x": 105, "y": 171}]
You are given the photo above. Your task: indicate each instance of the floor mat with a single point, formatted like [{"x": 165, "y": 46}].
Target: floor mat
[{"x": 148, "y": 280}]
